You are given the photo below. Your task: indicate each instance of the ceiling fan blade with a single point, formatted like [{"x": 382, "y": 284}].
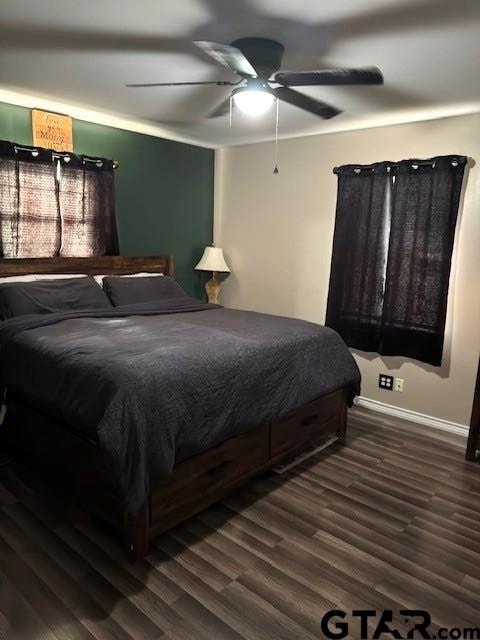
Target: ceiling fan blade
[
  {"x": 228, "y": 56},
  {"x": 306, "y": 103},
  {"x": 219, "y": 83},
  {"x": 366, "y": 75},
  {"x": 221, "y": 109}
]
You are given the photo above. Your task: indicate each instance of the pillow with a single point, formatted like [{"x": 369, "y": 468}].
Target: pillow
[
  {"x": 122, "y": 291},
  {"x": 50, "y": 296},
  {"x": 42, "y": 276},
  {"x": 145, "y": 274}
]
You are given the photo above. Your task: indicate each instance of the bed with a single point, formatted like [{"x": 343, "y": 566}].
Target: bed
[{"x": 150, "y": 413}]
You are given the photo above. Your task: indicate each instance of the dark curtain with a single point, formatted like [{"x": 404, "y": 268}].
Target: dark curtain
[
  {"x": 87, "y": 208},
  {"x": 357, "y": 274},
  {"x": 55, "y": 204},
  {"x": 392, "y": 249},
  {"x": 29, "y": 221},
  {"x": 426, "y": 197}
]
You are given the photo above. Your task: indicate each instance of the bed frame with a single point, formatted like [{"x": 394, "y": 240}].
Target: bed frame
[{"x": 77, "y": 465}]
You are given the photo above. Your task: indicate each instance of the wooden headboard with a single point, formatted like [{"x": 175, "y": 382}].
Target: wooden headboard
[{"x": 108, "y": 265}]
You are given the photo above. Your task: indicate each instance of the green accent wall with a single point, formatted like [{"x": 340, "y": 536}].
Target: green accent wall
[{"x": 164, "y": 189}]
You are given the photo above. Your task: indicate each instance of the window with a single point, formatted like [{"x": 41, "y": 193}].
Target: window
[
  {"x": 392, "y": 249},
  {"x": 55, "y": 204}
]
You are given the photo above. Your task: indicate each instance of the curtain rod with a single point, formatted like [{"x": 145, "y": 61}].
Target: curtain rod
[
  {"x": 396, "y": 165},
  {"x": 65, "y": 154}
]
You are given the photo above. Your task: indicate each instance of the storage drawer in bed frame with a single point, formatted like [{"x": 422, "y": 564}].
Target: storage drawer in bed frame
[
  {"x": 195, "y": 484},
  {"x": 315, "y": 420},
  {"x": 205, "y": 478}
]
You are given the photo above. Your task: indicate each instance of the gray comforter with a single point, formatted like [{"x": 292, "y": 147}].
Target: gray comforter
[{"x": 155, "y": 385}]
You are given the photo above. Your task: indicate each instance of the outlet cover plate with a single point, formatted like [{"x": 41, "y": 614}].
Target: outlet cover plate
[{"x": 385, "y": 382}]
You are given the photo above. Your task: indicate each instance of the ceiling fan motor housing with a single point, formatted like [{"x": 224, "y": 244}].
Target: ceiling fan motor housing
[
  {"x": 256, "y": 61},
  {"x": 264, "y": 54}
]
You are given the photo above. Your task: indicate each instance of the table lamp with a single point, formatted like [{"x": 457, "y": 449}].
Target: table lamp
[{"x": 213, "y": 260}]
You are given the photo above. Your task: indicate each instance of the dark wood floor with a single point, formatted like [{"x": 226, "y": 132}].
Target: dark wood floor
[{"x": 391, "y": 520}]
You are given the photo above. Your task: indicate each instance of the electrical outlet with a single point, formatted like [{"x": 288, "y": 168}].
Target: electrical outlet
[
  {"x": 399, "y": 384},
  {"x": 385, "y": 382}
]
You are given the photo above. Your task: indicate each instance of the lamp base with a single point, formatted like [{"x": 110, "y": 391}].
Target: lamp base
[{"x": 212, "y": 287}]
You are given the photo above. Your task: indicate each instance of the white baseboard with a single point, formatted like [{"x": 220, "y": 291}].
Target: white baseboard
[{"x": 413, "y": 416}]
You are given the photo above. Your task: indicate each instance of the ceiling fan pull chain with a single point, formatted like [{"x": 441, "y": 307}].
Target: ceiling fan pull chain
[{"x": 275, "y": 170}]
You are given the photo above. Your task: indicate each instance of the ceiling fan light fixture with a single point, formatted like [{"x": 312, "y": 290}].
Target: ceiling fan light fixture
[{"x": 253, "y": 101}]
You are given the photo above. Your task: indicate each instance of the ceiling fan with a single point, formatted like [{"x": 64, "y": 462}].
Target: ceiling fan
[{"x": 257, "y": 62}]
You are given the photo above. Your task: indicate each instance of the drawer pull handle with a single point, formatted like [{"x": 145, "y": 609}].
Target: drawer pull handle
[
  {"x": 217, "y": 471},
  {"x": 309, "y": 420}
]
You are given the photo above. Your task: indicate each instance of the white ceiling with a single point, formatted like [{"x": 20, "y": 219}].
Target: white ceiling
[{"x": 83, "y": 52}]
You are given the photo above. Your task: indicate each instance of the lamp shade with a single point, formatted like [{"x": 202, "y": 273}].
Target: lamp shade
[{"x": 213, "y": 260}]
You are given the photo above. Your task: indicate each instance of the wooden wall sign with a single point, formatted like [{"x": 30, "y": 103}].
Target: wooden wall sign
[{"x": 52, "y": 130}]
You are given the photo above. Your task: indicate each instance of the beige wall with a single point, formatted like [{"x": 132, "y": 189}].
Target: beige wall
[{"x": 277, "y": 232}]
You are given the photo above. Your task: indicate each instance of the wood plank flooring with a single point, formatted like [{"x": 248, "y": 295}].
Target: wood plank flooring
[{"x": 389, "y": 521}]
